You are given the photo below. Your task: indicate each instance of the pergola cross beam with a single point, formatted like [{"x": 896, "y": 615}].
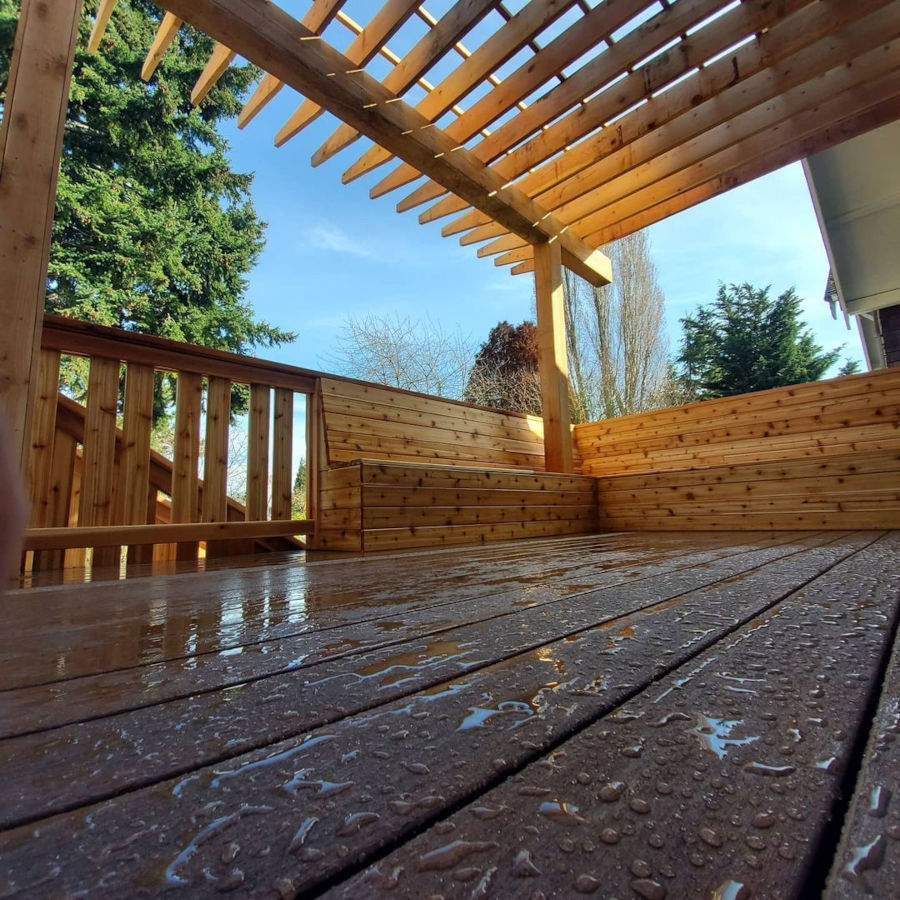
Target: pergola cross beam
[{"x": 278, "y": 43}]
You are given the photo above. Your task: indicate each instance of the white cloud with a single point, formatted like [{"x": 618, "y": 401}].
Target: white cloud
[{"x": 326, "y": 236}]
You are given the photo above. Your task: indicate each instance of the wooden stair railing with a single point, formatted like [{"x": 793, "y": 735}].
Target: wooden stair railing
[{"x": 94, "y": 484}]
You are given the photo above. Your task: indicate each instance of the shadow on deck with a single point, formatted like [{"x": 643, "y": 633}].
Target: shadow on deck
[{"x": 626, "y": 715}]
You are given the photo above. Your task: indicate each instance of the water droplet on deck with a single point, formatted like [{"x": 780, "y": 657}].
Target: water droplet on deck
[
  {"x": 713, "y": 734},
  {"x": 649, "y": 889},
  {"x": 452, "y": 854},
  {"x": 417, "y": 768},
  {"x": 865, "y": 858},
  {"x": 354, "y": 822},
  {"x": 230, "y": 882},
  {"x": 640, "y": 868},
  {"x": 481, "y": 889},
  {"x": 758, "y": 768},
  {"x": 711, "y": 837},
  {"x": 523, "y": 865},
  {"x": 300, "y": 836},
  {"x": 586, "y": 884},
  {"x": 641, "y": 807},
  {"x": 486, "y": 812},
  {"x": 879, "y": 799},
  {"x": 611, "y": 791},
  {"x": 560, "y": 812},
  {"x": 467, "y": 873},
  {"x": 731, "y": 890},
  {"x": 610, "y": 836}
]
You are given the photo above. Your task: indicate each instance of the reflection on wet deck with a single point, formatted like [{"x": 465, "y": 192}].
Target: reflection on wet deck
[{"x": 631, "y": 715}]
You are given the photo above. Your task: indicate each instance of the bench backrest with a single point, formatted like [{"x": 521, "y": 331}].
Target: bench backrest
[{"x": 372, "y": 422}]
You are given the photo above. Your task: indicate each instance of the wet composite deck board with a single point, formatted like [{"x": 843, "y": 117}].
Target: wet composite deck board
[{"x": 629, "y": 715}]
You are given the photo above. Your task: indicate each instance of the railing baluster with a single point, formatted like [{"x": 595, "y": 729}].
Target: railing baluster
[
  {"x": 96, "y": 505},
  {"x": 215, "y": 462},
  {"x": 40, "y": 459},
  {"x": 282, "y": 451},
  {"x": 185, "y": 479},
  {"x": 134, "y": 458},
  {"x": 258, "y": 453},
  {"x": 215, "y": 459}
]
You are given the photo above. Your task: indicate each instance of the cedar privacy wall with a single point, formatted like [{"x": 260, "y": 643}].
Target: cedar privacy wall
[
  {"x": 819, "y": 455},
  {"x": 400, "y": 470}
]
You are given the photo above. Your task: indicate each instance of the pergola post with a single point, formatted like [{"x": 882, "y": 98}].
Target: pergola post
[
  {"x": 552, "y": 363},
  {"x": 30, "y": 144}
]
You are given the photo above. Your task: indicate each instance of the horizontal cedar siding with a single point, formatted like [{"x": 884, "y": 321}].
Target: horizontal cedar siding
[{"x": 824, "y": 455}]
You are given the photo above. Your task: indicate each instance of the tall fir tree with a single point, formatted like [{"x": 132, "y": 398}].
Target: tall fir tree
[
  {"x": 154, "y": 231},
  {"x": 746, "y": 341}
]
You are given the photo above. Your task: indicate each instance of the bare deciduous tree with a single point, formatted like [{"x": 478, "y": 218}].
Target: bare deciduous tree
[
  {"x": 416, "y": 355},
  {"x": 617, "y": 349}
]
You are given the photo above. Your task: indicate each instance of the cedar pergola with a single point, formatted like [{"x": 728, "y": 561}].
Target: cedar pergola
[{"x": 571, "y": 124}]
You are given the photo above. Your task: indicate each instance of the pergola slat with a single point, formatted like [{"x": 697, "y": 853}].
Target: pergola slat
[
  {"x": 274, "y": 40},
  {"x": 747, "y": 104},
  {"x": 364, "y": 48},
  {"x": 637, "y": 85},
  {"x": 782, "y": 58},
  {"x": 836, "y": 133},
  {"x": 316, "y": 20},
  {"x": 101, "y": 21},
  {"x": 432, "y": 46},
  {"x": 220, "y": 59},
  {"x": 493, "y": 53},
  {"x": 165, "y": 34},
  {"x": 576, "y": 40},
  {"x": 826, "y": 99}
]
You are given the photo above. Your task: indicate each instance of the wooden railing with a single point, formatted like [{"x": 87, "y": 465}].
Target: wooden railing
[{"x": 94, "y": 480}]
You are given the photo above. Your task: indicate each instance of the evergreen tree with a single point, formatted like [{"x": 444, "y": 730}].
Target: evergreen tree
[
  {"x": 298, "y": 494},
  {"x": 745, "y": 341},
  {"x": 153, "y": 230}
]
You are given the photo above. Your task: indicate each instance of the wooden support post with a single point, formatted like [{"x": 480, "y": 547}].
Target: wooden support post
[
  {"x": 554, "y": 369},
  {"x": 30, "y": 143}
]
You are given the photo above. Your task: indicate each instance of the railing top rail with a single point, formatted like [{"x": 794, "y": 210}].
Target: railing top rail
[{"x": 88, "y": 339}]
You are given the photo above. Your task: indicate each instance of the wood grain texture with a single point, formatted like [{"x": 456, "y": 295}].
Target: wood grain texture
[
  {"x": 215, "y": 450},
  {"x": 552, "y": 361},
  {"x": 819, "y": 455},
  {"x": 31, "y": 133},
  {"x": 282, "y": 450},
  {"x": 258, "y": 453}
]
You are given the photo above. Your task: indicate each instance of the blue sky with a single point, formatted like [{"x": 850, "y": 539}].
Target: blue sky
[{"x": 332, "y": 252}]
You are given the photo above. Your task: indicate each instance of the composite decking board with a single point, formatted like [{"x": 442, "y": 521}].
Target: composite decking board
[
  {"x": 309, "y": 809},
  {"x": 38, "y": 636},
  {"x": 720, "y": 777},
  {"x": 57, "y": 615},
  {"x": 867, "y": 861},
  {"x": 59, "y": 703},
  {"x": 36, "y": 779}
]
